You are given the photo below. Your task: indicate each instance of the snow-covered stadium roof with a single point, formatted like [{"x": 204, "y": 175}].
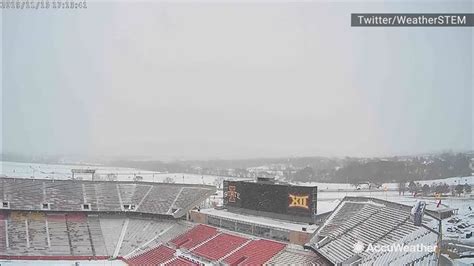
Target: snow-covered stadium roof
[{"x": 358, "y": 223}]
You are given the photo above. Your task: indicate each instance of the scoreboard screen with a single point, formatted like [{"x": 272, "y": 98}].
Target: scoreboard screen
[{"x": 276, "y": 198}]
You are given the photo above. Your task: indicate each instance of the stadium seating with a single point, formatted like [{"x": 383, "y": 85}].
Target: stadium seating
[
  {"x": 107, "y": 197},
  {"x": 166, "y": 194},
  {"x": 133, "y": 193},
  {"x": 169, "y": 233},
  {"x": 155, "y": 256},
  {"x": 17, "y": 235},
  {"x": 195, "y": 236},
  {"x": 22, "y": 193},
  {"x": 58, "y": 233},
  {"x": 181, "y": 262},
  {"x": 207, "y": 244},
  {"x": 98, "y": 240},
  {"x": 290, "y": 256},
  {"x": 139, "y": 241},
  {"x": 73, "y": 195},
  {"x": 256, "y": 252},
  {"x": 420, "y": 236},
  {"x": 111, "y": 227},
  {"x": 368, "y": 221},
  {"x": 379, "y": 224},
  {"x": 71, "y": 219},
  {"x": 369, "y": 230},
  {"x": 187, "y": 194},
  {"x": 139, "y": 231},
  {"x": 62, "y": 195},
  {"x": 90, "y": 195},
  {"x": 219, "y": 246},
  {"x": 37, "y": 234},
  {"x": 80, "y": 234},
  {"x": 3, "y": 218},
  {"x": 126, "y": 192},
  {"x": 349, "y": 215}
]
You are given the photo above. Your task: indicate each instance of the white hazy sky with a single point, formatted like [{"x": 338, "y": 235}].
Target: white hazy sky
[{"x": 200, "y": 80}]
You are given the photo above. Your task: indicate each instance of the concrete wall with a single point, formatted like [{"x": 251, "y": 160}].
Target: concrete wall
[
  {"x": 198, "y": 217},
  {"x": 299, "y": 238}
]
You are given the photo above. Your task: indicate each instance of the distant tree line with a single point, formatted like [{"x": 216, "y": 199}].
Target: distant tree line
[
  {"x": 320, "y": 169},
  {"x": 393, "y": 170},
  {"x": 437, "y": 188}
]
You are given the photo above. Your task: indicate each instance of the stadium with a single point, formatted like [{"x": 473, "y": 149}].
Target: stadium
[{"x": 145, "y": 223}]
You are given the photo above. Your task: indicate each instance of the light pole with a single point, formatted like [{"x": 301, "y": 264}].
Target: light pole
[{"x": 440, "y": 239}]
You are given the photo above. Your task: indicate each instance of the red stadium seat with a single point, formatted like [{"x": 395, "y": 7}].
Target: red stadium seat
[
  {"x": 181, "y": 262},
  {"x": 219, "y": 246},
  {"x": 154, "y": 256},
  {"x": 195, "y": 236}
]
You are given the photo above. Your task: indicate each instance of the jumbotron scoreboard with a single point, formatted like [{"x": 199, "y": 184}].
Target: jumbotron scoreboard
[{"x": 271, "y": 197}]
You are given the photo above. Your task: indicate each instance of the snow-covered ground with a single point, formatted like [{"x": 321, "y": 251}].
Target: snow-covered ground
[
  {"x": 59, "y": 171},
  {"x": 390, "y": 186}
]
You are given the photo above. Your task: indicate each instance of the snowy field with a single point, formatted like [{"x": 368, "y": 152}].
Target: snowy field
[
  {"x": 59, "y": 171},
  {"x": 389, "y": 186}
]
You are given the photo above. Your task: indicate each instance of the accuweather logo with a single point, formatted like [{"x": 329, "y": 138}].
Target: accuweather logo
[{"x": 359, "y": 247}]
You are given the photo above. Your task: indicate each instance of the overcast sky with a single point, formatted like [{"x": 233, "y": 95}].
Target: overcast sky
[{"x": 203, "y": 80}]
